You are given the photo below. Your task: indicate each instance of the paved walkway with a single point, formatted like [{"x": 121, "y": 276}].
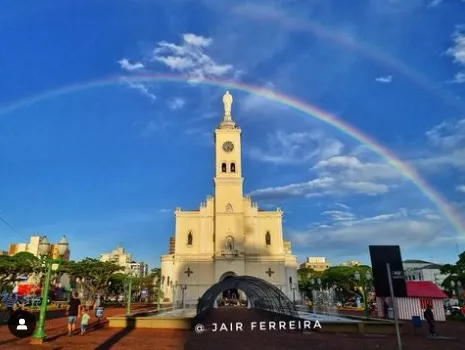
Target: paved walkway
[{"x": 111, "y": 338}]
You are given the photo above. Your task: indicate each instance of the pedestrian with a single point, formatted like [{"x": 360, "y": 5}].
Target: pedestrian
[
  {"x": 85, "y": 320},
  {"x": 11, "y": 302},
  {"x": 385, "y": 309},
  {"x": 73, "y": 311},
  {"x": 429, "y": 317}
]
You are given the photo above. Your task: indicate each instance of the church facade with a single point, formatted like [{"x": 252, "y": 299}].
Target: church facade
[{"x": 228, "y": 235}]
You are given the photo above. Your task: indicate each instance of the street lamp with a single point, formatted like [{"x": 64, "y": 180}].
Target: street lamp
[
  {"x": 293, "y": 288},
  {"x": 175, "y": 289},
  {"x": 364, "y": 290},
  {"x": 459, "y": 290},
  {"x": 47, "y": 261},
  {"x": 129, "y": 294},
  {"x": 183, "y": 288},
  {"x": 316, "y": 282},
  {"x": 160, "y": 282}
]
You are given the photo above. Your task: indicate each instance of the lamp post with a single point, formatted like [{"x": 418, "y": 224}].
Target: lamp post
[
  {"x": 183, "y": 288},
  {"x": 174, "y": 286},
  {"x": 47, "y": 262},
  {"x": 293, "y": 288},
  {"x": 160, "y": 282},
  {"x": 459, "y": 291},
  {"x": 453, "y": 284},
  {"x": 364, "y": 290},
  {"x": 129, "y": 294},
  {"x": 316, "y": 282},
  {"x": 316, "y": 285}
]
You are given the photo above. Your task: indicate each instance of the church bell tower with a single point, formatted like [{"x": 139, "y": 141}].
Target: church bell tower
[{"x": 228, "y": 169}]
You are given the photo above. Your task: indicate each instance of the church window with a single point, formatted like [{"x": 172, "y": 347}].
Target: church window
[
  {"x": 229, "y": 208},
  {"x": 168, "y": 281},
  {"x": 233, "y": 167},
  {"x": 223, "y": 167},
  {"x": 189, "y": 238},
  {"x": 268, "y": 238}
]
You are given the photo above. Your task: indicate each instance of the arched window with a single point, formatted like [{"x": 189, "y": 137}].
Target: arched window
[
  {"x": 268, "y": 238},
  {"x": 229, "y": 208},
  {"x": 168, "y": 281},
  {"x": 233, "y": 167},
  {"x": 189, "y": 238},
  {"x": 223, "y": 167}
]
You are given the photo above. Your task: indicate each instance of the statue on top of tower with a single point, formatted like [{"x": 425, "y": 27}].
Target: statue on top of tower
[{"x": 227, "y": 101}]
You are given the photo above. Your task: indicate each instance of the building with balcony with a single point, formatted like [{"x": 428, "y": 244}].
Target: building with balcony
[
  {"x": 121, "y": 257},
  {"x": 316, "y": 263},
  {"x": 33, "y": 247}
]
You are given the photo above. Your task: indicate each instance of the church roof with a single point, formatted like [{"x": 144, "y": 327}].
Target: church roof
[{"x": 416, "y": 262}]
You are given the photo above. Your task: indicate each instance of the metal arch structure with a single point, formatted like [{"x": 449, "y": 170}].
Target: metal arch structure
[{"x": 260, "y": 294}]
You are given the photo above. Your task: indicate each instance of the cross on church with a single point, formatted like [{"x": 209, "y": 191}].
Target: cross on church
[
  {"x": 188, "y": 272},
  {"x": 269, "y": 272}
]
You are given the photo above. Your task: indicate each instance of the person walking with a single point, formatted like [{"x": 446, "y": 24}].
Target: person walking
[
  {"x": 73, "y": 311},
  {"x": 85, "y": 320},
  {"x": 11, "y": 302},
  {"x": 386, "y": 309},
  {"x": 429, "y": 317}
]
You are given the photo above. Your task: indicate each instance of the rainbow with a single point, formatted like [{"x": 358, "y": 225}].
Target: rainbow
[
  {"x": 266, "y": 13},
  {"x": 407, "y": 171}
]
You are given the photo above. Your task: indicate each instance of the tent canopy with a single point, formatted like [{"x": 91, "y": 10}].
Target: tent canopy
[{"x": 261, "y": 295}]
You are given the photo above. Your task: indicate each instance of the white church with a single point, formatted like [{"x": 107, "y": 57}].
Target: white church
[{"x": 228, "y": 235}]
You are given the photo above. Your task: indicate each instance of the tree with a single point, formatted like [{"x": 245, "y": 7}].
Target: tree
[
  {"x": 93, "y": 275},
  {"x": 304, "y": 280},
  {"x": 12, "y": 268},
  {"x": 340, "y": 276},
  {"x": 155, "y": 273},
  {"x": 143, "y": 283},
  {"x": 117, "y": 285},
  {"x": 455, "y": 271}
]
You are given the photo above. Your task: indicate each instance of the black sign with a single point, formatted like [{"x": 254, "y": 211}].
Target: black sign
[{"x": 380, "y": 256}]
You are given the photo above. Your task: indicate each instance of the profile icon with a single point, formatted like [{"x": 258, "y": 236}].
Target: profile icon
[{"x": 22, "y": 325}]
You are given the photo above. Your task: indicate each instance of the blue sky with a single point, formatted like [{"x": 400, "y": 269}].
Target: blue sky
[{"x": 107, "y": 165}]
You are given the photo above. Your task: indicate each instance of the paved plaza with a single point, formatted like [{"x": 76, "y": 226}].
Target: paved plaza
[{"x": 109, "y": 338}]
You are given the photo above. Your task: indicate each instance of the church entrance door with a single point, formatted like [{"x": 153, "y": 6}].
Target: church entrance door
[{"x": 230, "y": 293}]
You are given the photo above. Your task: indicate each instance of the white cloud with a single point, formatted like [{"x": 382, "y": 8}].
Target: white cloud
[
  {"x": 346, "y": 231},
  {"x": 142, "y": 88},
  {"x": 342, "y": 205},
  {"x": 384, "y": 79},
  {"x": 338, "y": 215},
  {"x": 190, "y": 59},
  {"x": 177, "y": 103},
  {"x": 457, "y": 52},
  {"x": 459, "y": 78},
  {"x": 352, "y": 167},
  {"x": 461, "y": 188},
  {"x": 339, "y": 176},
  {"x": 127, "y": 65},
  {"x": 447, "y": 142},
  {"x": 260, "y": 103},
  {"x": 296, "y": 148},
  {"x": 448, "y": 135}
]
